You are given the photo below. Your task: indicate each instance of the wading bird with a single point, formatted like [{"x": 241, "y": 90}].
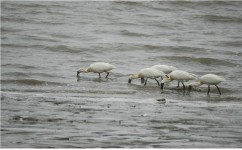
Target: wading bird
[
  {"x": 209, "y": 79},
  {"x": 147, "y": 73},
  {"x": 180, "y": 76},
  {"x": 97, "y": 67},
  {"x": 166, "y": 69}
]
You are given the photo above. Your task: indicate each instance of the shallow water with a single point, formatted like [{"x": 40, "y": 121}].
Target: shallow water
[{"x": 44, "y": 104}]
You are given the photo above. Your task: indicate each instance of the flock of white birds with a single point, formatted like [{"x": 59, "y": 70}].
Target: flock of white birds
[{"x": 164, "y": 72}]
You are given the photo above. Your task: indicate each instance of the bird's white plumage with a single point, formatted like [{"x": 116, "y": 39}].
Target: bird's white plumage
[
  {"x": 100, "y": 67},
  {"x": 181, "y": 76},
  {"x": 150, "y": 73},
  {"x": 164, "y": 68},
  {"x": 211, "y": 79},
  {"x": 147, "y": 73}
]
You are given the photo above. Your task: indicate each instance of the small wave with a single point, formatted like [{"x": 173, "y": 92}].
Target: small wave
[
  {"x": 129, "y": 3},
  {"x": 222, "y": 3},
  {"x": 159, "y": 5},
  {"x": 24, "y": 74},
  {"x": 24, "y": 118},
  {"x": 19, "y": 66},
  {"x": 88, "y": 92},
  {"x": 232, "y": 98},
  {"x": 175, "y": 48},
  {"x": 59, "y": 35},
  {"x": 231, "y": 43},
  {"x": 217, "y": 18},
  {"x": 41, "y": 38},
  {"x": 13, "y": 19},
  {"x": 153, "y": 47},
  {"x": 198, "y": 3},
  {"x": 32, "y": 120},
  {"x": 32, "y": 82},
  {"x": 49, "y": 22},
  {"x": 25, "y": 5},
  {"x": 204, "y": 61},
  {"x": 16, "y": 74},
  {"x": 8, "y": 29},
  {"x": 64, "y": 48},
  {"x": 110, "y": 92},
  {"x": 21, "y": 46},
  {"x": 54, "y": 48},
  {"x": 129, "y": 33},
  {"x": 123, "y": 24},
  {"x": 6, "y": 6}
]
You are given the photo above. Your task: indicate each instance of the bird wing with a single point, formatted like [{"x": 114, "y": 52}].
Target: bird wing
[
  {"x": 164, "y": 68},
  {"x": 211, "y": 79},
  {"x": 101, "y": 67},
  {"x": 193, "y": 76},
  {"x": 151, "y": 73},
  {"x": 181, "y": 75}
]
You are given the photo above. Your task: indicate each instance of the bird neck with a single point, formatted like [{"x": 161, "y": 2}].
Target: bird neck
[
  {"x": 139, "y": 75},
  {"x": 88, "y": 69},
  {"x": 83, "y": 70},
  {"x": 170, "y": 78},
  {"x": 166, "y": 80},
  {"x": 132, "y": 76}
]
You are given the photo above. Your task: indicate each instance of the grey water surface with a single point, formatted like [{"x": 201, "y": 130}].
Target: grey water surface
[{"x": 44, "y": 104}]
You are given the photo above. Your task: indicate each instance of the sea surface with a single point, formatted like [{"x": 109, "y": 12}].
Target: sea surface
[{"x": 45, "y": 105}]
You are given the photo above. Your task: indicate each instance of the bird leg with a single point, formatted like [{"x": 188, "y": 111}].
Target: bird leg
[
  {"x": 157, "y": 82},
  {"x": 208, "y": 89},
  {"x": 184, "y": 88},
  {"x": 218, "y": 89},
  {"x": 145, "y": 82},
  {"x": 178, "y": 84},
  {"x": 142, "y": 80},
  {"x": 189, "y": 89},
  {"x": 162, "y": 86},
  {"x": 99, "y": 75},
  {"x": 107, "y": 75}
]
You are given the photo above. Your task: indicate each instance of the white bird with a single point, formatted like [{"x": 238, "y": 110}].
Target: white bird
[
  {"x": 180, "y": 76},
  {"x": 147, "y": 73},
  {"x": 97, "y": 67},
  {"x": 209, "y": 79},
  {"x": 164, "y": 68}
]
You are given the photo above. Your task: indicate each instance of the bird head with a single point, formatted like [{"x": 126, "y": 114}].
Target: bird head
[
  {"x": 132, "y": 76},
  {"x": 166, "y": 79},
  {"x": 81, "y": 70}
]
